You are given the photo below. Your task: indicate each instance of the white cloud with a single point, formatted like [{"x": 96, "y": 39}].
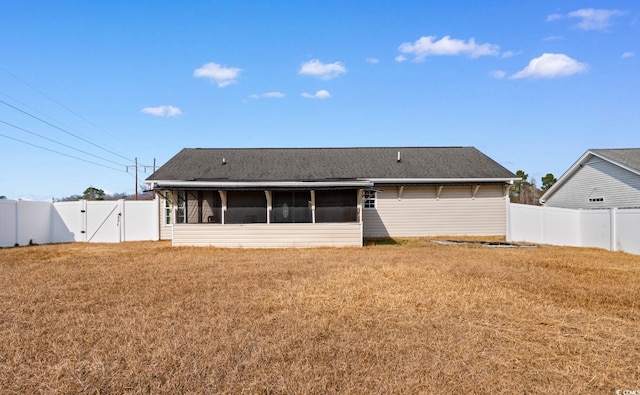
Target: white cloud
[
  {"x": 372, "y": 60},
  {"x": 551, "y": 65},
  {"x": 162, "y": 111},
  {"x": 628, "y": 55},
  {"x": 268, "y": 95},
  {"x": 553, "y": 38},
  {"x": 590, "y": 18},
  {"x": 498, "y": 74},
  {"x": 321, "y": 94},
  {"x": 426, "y": 46},
  {"x": 221, "y": 75},
  {"x": 510, "y": 54},
  {"x": 554, "y": 17},
  {"x": 325, "y": 71},
  {"x": 401, "y": 58}
]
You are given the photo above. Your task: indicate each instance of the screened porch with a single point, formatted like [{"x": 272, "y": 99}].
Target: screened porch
[{"x": 263, "y": 207}]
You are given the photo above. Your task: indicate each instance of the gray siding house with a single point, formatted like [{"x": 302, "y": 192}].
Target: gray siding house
[
  {"x": 601, "y": 178},
  {"x": 308, "y": 197}
]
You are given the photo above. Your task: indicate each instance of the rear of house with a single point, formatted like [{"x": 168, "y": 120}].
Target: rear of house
[
  {"x": 601, "y": 178},
  {"x": 305, "y": 197}
]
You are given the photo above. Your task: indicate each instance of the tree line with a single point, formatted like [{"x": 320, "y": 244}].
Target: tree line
[
  {"x": 93, "y": 193},
  {"x": 525, "y": 191}
]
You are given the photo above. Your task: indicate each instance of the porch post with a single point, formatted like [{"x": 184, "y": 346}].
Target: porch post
[
  {"x": 174, "y": 207},
  {"x": 267, "y": 194},
  {"x": 223, "y": 200},
  {"x": 313, "y": 206}
]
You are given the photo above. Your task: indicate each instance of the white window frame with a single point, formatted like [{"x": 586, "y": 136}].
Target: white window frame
[
  {"x": 168, "y": 212},
  {"x": 370, "y": 200},
  {"x": 181, "y": 211}
]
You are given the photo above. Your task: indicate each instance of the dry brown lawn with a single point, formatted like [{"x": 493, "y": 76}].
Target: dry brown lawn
[{"x": 413, "y": 317}]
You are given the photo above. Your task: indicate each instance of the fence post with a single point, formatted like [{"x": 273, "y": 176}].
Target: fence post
[
  {"x": 17, "y": 238},
  {"x": 613, "y": 231},
  {"x": 121, "y": 219},
  {"x": 83, "y": 219},
  {"x": 508, "y": 230}
]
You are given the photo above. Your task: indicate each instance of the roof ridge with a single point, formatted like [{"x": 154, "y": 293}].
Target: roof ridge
[{"x": 325, "y": 148}]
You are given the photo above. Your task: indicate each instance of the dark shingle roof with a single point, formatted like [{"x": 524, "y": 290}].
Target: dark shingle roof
[
  {"x": 313, "y": 164},
  {"x": 629, "y": 157}
]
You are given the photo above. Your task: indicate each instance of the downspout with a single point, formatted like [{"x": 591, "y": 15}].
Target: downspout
[{"x": 359, "y": 204}]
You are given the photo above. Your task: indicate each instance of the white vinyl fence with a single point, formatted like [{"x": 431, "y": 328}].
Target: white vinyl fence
[
  {"x": 613, "y": 229},
  {"x": 25, "y": 222}
]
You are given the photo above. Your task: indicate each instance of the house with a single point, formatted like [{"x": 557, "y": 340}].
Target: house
[
  {"x": 305, "y": 197},
  {"x": 601, "y": 178}
]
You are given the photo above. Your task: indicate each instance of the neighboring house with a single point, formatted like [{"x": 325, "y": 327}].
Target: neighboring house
[
  {"x": 601, "y": 178},
  {"x": 303, "y": 197}
]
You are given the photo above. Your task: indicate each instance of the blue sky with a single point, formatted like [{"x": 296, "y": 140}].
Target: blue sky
[{"x": 533, "y": 84}]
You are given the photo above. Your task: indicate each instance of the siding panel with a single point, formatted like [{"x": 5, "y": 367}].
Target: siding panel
[
  {"x": 269, "y": 235},
  {"x": 419, "y": 213}
]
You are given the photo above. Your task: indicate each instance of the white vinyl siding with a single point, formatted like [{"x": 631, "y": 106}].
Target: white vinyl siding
[
  {"x": 348, "y": 234},
  {"x": 419, "y": 213},
  {"x": 165, "y": 229},
  {"x": 598, "y": 179}
]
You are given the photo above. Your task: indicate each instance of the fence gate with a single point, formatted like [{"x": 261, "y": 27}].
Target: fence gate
[{"x": 102, "y": 221}]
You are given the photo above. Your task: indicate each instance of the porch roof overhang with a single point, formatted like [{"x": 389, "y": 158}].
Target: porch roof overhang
[{"x": 261, "y": 185}]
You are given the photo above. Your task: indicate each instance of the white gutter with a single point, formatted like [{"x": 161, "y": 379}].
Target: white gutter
[
  {"x": 440, "y": 180},
  {"x": 362, "y": 183}
]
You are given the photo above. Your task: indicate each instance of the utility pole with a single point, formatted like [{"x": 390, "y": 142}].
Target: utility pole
[{"x": 144, "y": 167}]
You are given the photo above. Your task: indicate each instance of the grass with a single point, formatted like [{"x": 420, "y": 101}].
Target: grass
[{"x": 408, "y": 317}]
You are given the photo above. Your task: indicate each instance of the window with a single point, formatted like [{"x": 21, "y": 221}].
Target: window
[
  {"x": 245, "y": 207},
  {"x": 598, "y": 199},
  {"x": 369, "y": 199},
  {"x": 291, "y": 206},
  {"x": 167, "y": 211},
  {"x": 182, "y": 207},
  {"x": 204, "y": 206},
  {"x": 336, "y": 206}
]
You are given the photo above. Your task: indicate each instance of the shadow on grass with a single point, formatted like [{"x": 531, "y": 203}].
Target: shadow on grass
[{"x": 385, "y": 241}]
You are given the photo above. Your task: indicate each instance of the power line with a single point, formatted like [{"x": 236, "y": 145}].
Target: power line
[
  {"x": 136, "y": 166},
  {"x": 63, "y": 130},
  {"x": 40, "y": 112},
  {"x": 57, "y": 152},
  {"x": 59, "y": 143},
  {"x": 55, "y": 101}
]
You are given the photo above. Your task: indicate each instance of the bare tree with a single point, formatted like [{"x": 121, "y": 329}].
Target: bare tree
[{"x": 524, "y": 191}]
